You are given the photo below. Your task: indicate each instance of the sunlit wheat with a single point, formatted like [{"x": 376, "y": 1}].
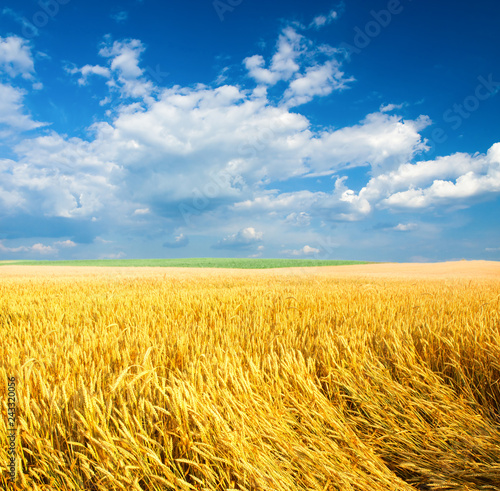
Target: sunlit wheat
[{"x": 252, "y": 383}]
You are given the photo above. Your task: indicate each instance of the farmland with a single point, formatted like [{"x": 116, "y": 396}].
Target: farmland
[
  {"x": 202, "y": 262},
  {"x": 354, "y": 377}
]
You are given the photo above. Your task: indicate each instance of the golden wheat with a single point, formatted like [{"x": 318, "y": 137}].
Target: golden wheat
[{"x": 255, "y": 382}]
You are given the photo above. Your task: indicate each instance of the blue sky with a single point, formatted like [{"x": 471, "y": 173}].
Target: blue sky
[{"x": 243, "y": 128}]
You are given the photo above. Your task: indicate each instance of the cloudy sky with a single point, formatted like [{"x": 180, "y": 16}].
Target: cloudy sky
[{"x": 248, "y": 128}]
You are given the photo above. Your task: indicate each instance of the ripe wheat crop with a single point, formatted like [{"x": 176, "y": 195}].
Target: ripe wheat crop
[{"x": 251, "y": 383}]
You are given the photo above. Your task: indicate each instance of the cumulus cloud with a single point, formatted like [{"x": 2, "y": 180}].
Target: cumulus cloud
[
  {"x": 60, "y": 177},
  {"x": 323, "y": 20},
  {"x": 305, "y": 251},
  {"x": 284, "y": 63},
  {"x": 35, "y": 248},
  {"x": 386, "y": 108},
  {"x": 318, "y": 80},
  {"x": 446, "y": 181},
  {"x": 4, "y": 248},
  {"x": 123, "y": 71},
  {"x": 246, "y": 237},
  {"x": 87, "y": 70},
  {"x": 65, "y": 243},
  {"x": 16, "y": 58},
  {"x": 301, "y": 219},
  {"x": 124, "y": 57},
  {"x": 43, "y": 249},
  {"x": 451, "y": 179},
  {"x": 12, "y": 111},
  {"x": 380, "y": 140},
  {"x": 342, "y": 204},
  {"x": 274, "y": 201},
  {"x": 296, "y": 61}
]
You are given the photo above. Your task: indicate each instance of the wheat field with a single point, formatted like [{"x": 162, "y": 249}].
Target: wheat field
[{"x": 260, "y": 380}]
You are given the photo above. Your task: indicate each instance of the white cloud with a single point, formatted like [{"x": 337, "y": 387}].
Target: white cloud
[
  {"x": 380, "y": 140},
  {"x": 449, "y": 180},
  {"x": 36, "y": 248},
  {"x": 255, "y": 65},
  {"x": 301, "y": 219},
  {"x": 65, "y": 244},
  {"x": 323, "y": 20},
  {"x": 43, "y": 249},
  {"x": 13, "y": 249},
  {"x": 319, "y": 21},
  {"x": 12, "y": 111},
  {"x": 405, "y": 227},
  {"x": 341, "y": 204},
  {"x": 284, "y": 63},
  {"x": 318, "y": 80},
  {"x": 272, "y": 201},
  {"x": 124, "y": 57},
  {"x": 389, "y": 107},
  {"x": 58, "y": 177},
  {"x": 446, "y": 180},
  {"x": 142, "y": 211},
  {"x": 243, "y": 238},
  {"x": 87, "y": 70},
  {"x": 16, "y": 60},
  {"x": 123, "y": 71},
  {"x": 305, "y": 251},
  {"x": 124, "y": 63},
  {"x": 296, "y": 61},
  {"x": 15, "y": 57}
]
